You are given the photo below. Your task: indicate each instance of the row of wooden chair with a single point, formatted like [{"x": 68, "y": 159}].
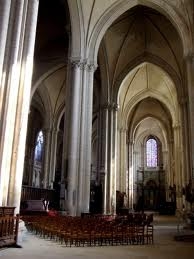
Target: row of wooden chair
[{"x": 90, "y": 231}]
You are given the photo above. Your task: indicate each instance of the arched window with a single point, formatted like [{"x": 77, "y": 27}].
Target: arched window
[
  {"x": 152, "y": 152},
  {"x": 39, "y": 147}
]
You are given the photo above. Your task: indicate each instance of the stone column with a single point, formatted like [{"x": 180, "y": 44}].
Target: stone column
[
  {"x": 189, "y": 61},
  {"x": 119, "y": 167},
  {"x": 131, "y": 175},
  {"x": 72, "y": 130},
  {"x": 79, "y": 132},
  {"x": 103, "y": 154},
  {"x": 166, "y": 167},
  {"x": 86, "y": 137},
  {"x": 178, "y": 165},
  {"x": 46, "y": 159},
  {"x": 8, "y": 100},
  {"x": 53, "y": 150},
  {"x": 114, "y": 157},
  {"x": 4, "y": 21},
  {"x": 136, "y": 163},
  {"x": 119, "y": 181},
  {"x": 123, "y": 161},
  {"x": 171, "y": 175},
  {"x": 112, "y": 160},
  {"x": 20, "y": 53},
  {"x": 186, "y": 152}
]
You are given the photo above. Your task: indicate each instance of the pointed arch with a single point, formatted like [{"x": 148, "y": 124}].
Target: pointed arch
[
  {"x": 77, "y": 31},
  {"x": 45, "y": 76},
  {"x": 119, "y": 7},
  {"x": 147, "y": 57}
]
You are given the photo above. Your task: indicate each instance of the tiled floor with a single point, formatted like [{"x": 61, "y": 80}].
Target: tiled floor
[{"x": 164, "y": 247}]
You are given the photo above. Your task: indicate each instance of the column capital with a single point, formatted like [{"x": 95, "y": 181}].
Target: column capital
[
  {"x": 123, "y": 130},
  {"x": 176, "y": 126},
  {"x": 183, "y": 100},
  {"x": 190, "y": 57},
  {"x": 91, "y": 67},
  {"x": 83, "y": 64},
  {"x": 55, "y": 130},
  {"x": 76, "y": 63},
  {"x": 105, "y": 106},
  {"x": 113, "y": 106}
]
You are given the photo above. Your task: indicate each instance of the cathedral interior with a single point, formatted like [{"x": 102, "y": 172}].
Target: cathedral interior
[
  {"x": 97, "y": 122},
  {"x": 97, "y": 108}
]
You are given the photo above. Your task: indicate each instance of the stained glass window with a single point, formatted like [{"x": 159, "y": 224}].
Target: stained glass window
[
  {"x": 39, "y": 147},
  {"x": 152, "y": 152}
]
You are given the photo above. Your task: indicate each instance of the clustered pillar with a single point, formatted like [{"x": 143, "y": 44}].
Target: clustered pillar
[
  {"x": 78, "y": 130},
  {"x": 103, "y": 153},
  {"x": 111, "y": 160},
  {"x": 189, "y": 62},
  {"x": 16, "y": 59}
]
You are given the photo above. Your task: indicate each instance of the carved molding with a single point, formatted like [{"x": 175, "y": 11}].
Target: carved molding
[
  {"x": 76, "y": 64},
  {"x": 190, "y": 57},
  {"x": 110, "y": 106},
  {"x": 91, "y": 67},
  {"x": 176, "y": 126},
  {"x": 83, "y": 65}
]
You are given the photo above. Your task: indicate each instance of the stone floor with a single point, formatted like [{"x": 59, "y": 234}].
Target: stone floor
[{"x": 164, "y": 247}]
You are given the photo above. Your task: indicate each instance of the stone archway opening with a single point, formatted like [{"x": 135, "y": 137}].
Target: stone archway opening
[
  {"x": 143, "y": 69},
  {"x": 149, "y": 106}
]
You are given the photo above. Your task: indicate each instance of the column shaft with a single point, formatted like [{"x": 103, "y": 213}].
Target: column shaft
[
  {"x": 88, "y": 135},
  {"x": 9, "y": 100},
  {"x": 109, "y": 161},
  {"x": 73, "y": 131},
  {"x": 79, "y": 138},
  {"x": 103, "y": 155},
  {"x": 187, "y": 152},
  {"x": 29, "y": 22},
  {"x": 83, "y": 127},
  {"x": 190, "y": 83},
  {"x": 136, "y": 163},
  {"x": 4, "y": 21},
  {"x": 123, "y": 160},
  {"x": 130, "y": 176},
  {"x": 53, "y": 157},
  {"x": 178, "y": 167},
  {"x": 112, "y": 160},
  {"x": 47, "y": 157}
]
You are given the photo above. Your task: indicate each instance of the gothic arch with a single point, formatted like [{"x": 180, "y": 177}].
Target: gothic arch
[
  {"x": 152, "y": 59},
  {"x": 58, "y": 116},
  {"x": 118, "y": 9},
  {"x": 144, "y": 134},
  {"x": 45, "y": 76},
  {"x": 142, "y": 96},
  {"x": 103, "y": 66},
  {"x": 77, "y": 30},
  {"x": 46, "y": 106}
]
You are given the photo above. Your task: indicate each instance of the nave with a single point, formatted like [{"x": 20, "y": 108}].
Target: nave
[{"x": 165, "y": 228}]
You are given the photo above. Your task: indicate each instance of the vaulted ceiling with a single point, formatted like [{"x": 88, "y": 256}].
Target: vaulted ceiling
[
  {"x": 138, "y": 33},
  {"x": 142, "y": 54}
]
